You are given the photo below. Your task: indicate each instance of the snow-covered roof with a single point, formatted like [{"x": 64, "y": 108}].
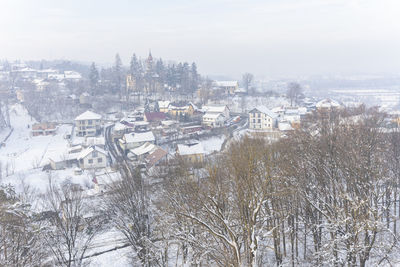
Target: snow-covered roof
[
  {"x": 327, "y": 103},
  {"x": 88, "y": 115},
  {"x": 227, "y": 83},
  {"x": 212, "y": 116},
  {"x": 139, "y": 137},
  {"x": 163, "y": 104},
  {"x": 143, "y": 149},
  {"x": 265, "y": 110},
  {"x": 214, "y": 109},
  {"x": 190, "y": 149},
  {"x": 89, "y": 150}
]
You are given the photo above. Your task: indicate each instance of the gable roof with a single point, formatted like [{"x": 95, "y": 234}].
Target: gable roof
[
  {"x": 265, "y": 110},
  {"x": 214, "y": 109},
  {"x": 327, "y": 103},
  {"x": 155, "y": 116},
  {"x": 88, "y": 115},
  {"x": 143, "y": 149},
  {"x": 155, "y": 157},
  {"x": 89, "y": 150},
  {"x": 212, "y": 115},
  {"x": 190, "y": 149}
]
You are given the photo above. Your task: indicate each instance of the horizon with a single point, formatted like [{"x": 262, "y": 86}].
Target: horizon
[{"x": 224, "y": 37}]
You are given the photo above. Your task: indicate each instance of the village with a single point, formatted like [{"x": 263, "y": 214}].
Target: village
[{"x": 74, "y": 138}]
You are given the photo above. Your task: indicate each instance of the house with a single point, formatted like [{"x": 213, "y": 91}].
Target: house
[
  {"x": 92, "y": 157},
  {"x": 156, "y": 157},
  {"x": 177, "y": 109},
  {"x": 214, "y": 119},
  {"x": 88, "y": 124},
  {"x": 262, "y": 118},
  {"x": 327, "y": 104},
  {"x": 133, "y": 140},
  {"x": 154, "y": 117},
  {"x": 223, "y": 109},
  {"x": 192, "y": 152},
  {"x": 163, "y": 106},
  {"x": 44, "y": 128},
  {"x": 228, "y": 87},
  {"x": 139, "y": 152}
]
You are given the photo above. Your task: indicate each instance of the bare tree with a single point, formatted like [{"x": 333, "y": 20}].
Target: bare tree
[
  {"x": 294, "y": 92},
  {"x": 72, "y": 225},
  {"x": 127, "y": 206},
  {"x": 247, "y": 80},
  {"x": 19, "y": 232}
]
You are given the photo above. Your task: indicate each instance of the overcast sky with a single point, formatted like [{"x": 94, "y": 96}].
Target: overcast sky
[{"x": 267, "y": 38}]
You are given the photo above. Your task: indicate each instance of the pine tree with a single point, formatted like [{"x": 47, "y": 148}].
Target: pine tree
[
  {"x": 94, "y": 78},
  {"x": 117, "y": 74}
]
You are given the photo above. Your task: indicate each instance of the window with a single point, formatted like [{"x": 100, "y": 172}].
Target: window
[
  {"x": 90, "y": 122},
  {"x": 90, "y": 161},
  {"x": 94, "y": 154},
  {"x": 259, "y": 120},
  {"x": 254, "y": 120},
  {"x": 99, "y": 160}
]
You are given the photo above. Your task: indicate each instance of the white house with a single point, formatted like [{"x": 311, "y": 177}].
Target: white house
[
  {"x": 327, "y": 104},
  {"x": 261, "y": 118},
  {"x": 88, "y": 124},
  {"x": 92, "y": 157},
  {"x": 133, "y": 140},
  {"x": 213, "y": 119},
  {"x": 224, "y": 110},
  {"x": 228, "y": 87}
]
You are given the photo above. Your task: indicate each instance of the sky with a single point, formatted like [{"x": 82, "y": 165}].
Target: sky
[{"x": 224, "y": 37}]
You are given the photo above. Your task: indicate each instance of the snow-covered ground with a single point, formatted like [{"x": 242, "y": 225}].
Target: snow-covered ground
[{"x": 23, "y": 156}]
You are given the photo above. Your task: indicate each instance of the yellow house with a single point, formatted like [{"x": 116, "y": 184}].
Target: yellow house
[
  {"x": 181, "y": 108},
  {"x": 193, "y": 153}
]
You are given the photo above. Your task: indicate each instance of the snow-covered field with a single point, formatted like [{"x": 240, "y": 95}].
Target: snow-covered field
[{"x": 23, "y": 156}]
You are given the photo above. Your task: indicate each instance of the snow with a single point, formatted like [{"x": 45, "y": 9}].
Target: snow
[
  {"x": 267, "y": 111},
  {"x": 22, "y": 151},
  {"x": 88, "y": 115},
  {"x": 190, "y": 149},
  {"x": 139, "y": 137},
  {"x": 212, "y": 144},
  {"x": 226, "y": 83},
  {"x": 145, "y": 148},
  {"x": 89, "y": 150}
]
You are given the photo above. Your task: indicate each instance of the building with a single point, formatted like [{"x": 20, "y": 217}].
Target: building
[
  {"x": 228, "y": 87},
  {"x": 134, "y": 140},
  {"x": 154, "y": 117},
  {"x": 327, "y": 104},
  {"x": 163, "y": 106},
  {"x": 223, "y": 109},
  {"x": 44, "y": 128},
  {"x": 213, "y": 119},
  {"x": 92, "y": 158},
  {"x": 261, "y": 118},
  {"x": 181, "y": 108},
  {"x": 88, "y": 124},
  {"x": 192, "y": 152}
]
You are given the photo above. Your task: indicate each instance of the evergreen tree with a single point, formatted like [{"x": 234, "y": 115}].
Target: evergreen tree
[
  {"x": 117, "y": 74},
  {"x": 194, "y": 78},
  {"x": 93, "y": 78}
]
